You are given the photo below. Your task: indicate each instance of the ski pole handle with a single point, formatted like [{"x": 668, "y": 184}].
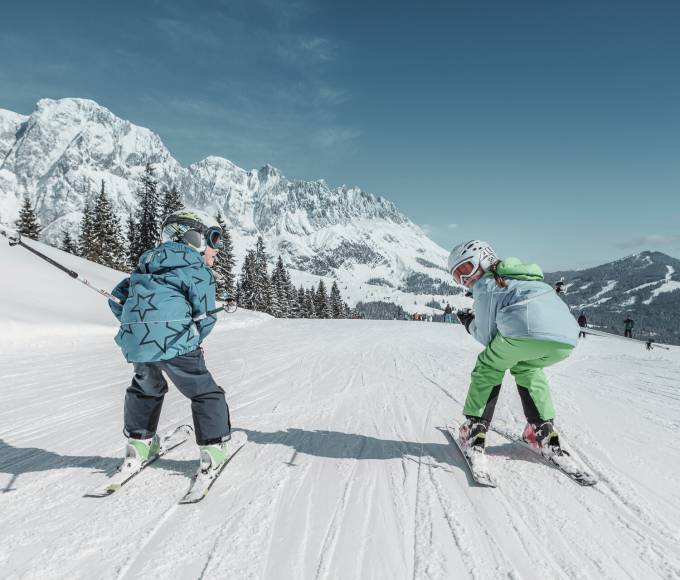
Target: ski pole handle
[{"x": 230, "y": 307}]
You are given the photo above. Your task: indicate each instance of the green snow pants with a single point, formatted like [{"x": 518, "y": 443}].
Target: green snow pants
[{"x": 525, "y": 358}]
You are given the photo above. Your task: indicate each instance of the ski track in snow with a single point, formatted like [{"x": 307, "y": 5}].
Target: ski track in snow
[{"x": 348, "y": 472}]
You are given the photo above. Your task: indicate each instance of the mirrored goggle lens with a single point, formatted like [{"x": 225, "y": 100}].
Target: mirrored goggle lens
[
  {"x": 462, "y": 271},
  {"x": 214, "y": 239}
]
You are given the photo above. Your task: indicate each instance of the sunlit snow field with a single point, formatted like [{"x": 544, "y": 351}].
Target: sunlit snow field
[{"x": 347, "y": 474}]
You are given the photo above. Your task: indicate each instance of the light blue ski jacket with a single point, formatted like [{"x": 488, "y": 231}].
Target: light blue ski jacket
[
  {"x": 165, "y": 304},
  {"x": 527, "y": 308}
]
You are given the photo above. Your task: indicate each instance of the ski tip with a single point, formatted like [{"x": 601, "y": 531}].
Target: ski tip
[
  {"x": 191, "y": 499},
  {"x": 103, "y": 492}
]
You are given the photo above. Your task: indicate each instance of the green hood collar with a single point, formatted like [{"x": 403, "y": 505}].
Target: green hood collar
[{"x": 513, "y": 268}]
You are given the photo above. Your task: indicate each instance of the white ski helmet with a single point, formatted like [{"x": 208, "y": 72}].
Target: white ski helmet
[
  {"x": 192, "y": 227},
  {"x": 469, "y": 258}
]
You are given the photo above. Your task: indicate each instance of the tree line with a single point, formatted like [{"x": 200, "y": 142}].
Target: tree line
[{"x": 102, "y": 240}]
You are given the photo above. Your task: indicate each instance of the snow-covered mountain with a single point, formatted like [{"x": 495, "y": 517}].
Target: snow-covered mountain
[
  {"x": 644, "y": 286},
  {"x": 60, "y": 153}
]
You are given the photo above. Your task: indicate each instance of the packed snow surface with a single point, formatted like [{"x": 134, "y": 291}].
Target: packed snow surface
[{"x": 347, "y": 474}]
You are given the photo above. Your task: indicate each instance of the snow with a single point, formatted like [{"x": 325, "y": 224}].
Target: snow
[
  {"x": 669, "y": 285},
  {"x": 347, "y": 474},
  {"x": 595, "y": 300}
]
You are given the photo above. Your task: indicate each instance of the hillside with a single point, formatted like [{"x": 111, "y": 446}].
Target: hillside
[
  {"x": 347, "y": 473},
  {"x": 644, "y": 286}
]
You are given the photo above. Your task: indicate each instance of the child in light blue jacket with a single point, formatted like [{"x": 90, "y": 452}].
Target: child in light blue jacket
[{"x": 525, "y": 327}]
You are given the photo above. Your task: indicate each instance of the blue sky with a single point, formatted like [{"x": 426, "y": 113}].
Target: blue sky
[{"x": 551, "y": 130}]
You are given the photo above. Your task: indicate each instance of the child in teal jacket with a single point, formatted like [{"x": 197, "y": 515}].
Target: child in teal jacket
[{"x": 164, "y": 311}]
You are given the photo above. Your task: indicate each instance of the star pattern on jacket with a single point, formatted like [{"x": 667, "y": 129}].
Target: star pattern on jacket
[
  {"x": 174, "y": 337},
  {"x": 143, "y": 305},
  {"x": 144, "y": 340},
  {"x": 183, "y": 253},
  {"x": 126, "y": 329}
]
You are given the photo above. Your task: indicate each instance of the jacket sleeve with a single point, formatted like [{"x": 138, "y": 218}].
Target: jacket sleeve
[
  {"x": 483, "y": 326},
  {"x": 202, "y": 299},
  {"x": 121, "y": 292}
]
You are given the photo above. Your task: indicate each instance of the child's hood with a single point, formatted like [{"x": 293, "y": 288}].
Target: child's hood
[
  {"x": 514, "y": 268},
  {"x": 167, "y": 256}
]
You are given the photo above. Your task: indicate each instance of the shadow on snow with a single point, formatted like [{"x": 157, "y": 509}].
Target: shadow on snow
[
  {"x": 18, "y": 460},
  {"x": 318, "y": 443}
]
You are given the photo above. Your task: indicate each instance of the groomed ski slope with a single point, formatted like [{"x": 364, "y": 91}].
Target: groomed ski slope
[{"x": 347, "y": 473}]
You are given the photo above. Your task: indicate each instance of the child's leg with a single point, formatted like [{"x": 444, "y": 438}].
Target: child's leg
[
  {"x": 144, "y": 400},
  {"x": 532, "y": 384},
  {"x": 208, "y": 405},
  {"x": 487, "y": 376}
]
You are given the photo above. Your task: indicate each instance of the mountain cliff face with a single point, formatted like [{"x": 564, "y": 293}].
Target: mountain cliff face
[
  {"x": 59, "y": 155},
  {"x": 644, "y": 286}
]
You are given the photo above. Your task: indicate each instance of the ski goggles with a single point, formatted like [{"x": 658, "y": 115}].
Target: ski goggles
[
  {"x": 463, "y": 272},
  {"x": 213, "y": 237}
]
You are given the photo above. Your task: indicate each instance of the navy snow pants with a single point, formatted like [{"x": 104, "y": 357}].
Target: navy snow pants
[{"x": 144, "y": 397}]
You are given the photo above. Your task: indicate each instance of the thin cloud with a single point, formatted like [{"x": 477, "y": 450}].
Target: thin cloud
[
  {"x": 650, "y": 240},
  {"x": 333, "y": 136},
  {"x": 452, "y": 226},
  {"x": 181, "y": 31}
]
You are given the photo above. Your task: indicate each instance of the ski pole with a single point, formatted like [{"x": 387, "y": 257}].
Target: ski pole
[
  {"x": 230, "y": 307},
  {"x": 15, "y": 240}
]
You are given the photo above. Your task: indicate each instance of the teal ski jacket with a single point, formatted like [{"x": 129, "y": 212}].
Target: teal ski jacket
[
  {"x": 164, "y": 304},
  {"x": 527, "y": 308}
]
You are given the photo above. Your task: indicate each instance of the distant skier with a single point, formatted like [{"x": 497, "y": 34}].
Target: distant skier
[
  {"x": 448, "y": 313},
  {"x": 164, "y": 316},
  {"x": 628, "y": 325},
  {"x": 649, "y": 344},
  {"x": 559, "y": 286},
  {"x": 525, "y": 328},
  {"x": 583, "y": 323}
]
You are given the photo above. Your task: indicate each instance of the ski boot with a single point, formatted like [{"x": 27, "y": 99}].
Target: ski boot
[
  {"x": 544, "y": 438},
  {"x": 141, "y": 451},
  {"x": 472, "y": 435},
  {"x": 213, "y": 456}
]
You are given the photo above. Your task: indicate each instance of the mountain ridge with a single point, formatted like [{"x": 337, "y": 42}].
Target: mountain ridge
[{"x": 60, "y": 153}]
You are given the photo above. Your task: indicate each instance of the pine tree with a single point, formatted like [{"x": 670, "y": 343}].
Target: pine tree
[
  {"x": 335, "y": 301},
  {"x": 291, "y": 295},
  {"x": 237, "y": 293},
  {"x": 106, "y": 245},
  {"x": 67, "y": 243},
  {"x": 171, "y": 202},
  {"x": 134, "y": 249},
  {"x": 321, "y": 308},
  {"x": 27, "y": 224},
  {"x": 224, "y": 262},
  {"x": 281, "y": 306},
  {"x": 87, "y": 234},
  {"x": 262, "y": 290},
  {"x": 346, "y": 310},
  {"x": 248, "y": 281},
  {"x": 309, "y": 304},
  {"x": 300, "y": 303},
  {"x": 148, "y": 211}
]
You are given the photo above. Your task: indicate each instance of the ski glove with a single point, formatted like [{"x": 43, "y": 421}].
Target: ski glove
[{"x": 465, "y": 317}]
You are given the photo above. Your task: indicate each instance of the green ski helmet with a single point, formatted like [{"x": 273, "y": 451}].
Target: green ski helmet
[{"x": 192, "y": 227}]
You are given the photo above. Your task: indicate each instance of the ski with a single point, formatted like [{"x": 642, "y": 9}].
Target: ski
[
  {"x": 204, "y": 479},
  {"x": 129, "y": 468},
  {"x": 477, "y": 461},
  {"x": 564, "y": 463}
]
